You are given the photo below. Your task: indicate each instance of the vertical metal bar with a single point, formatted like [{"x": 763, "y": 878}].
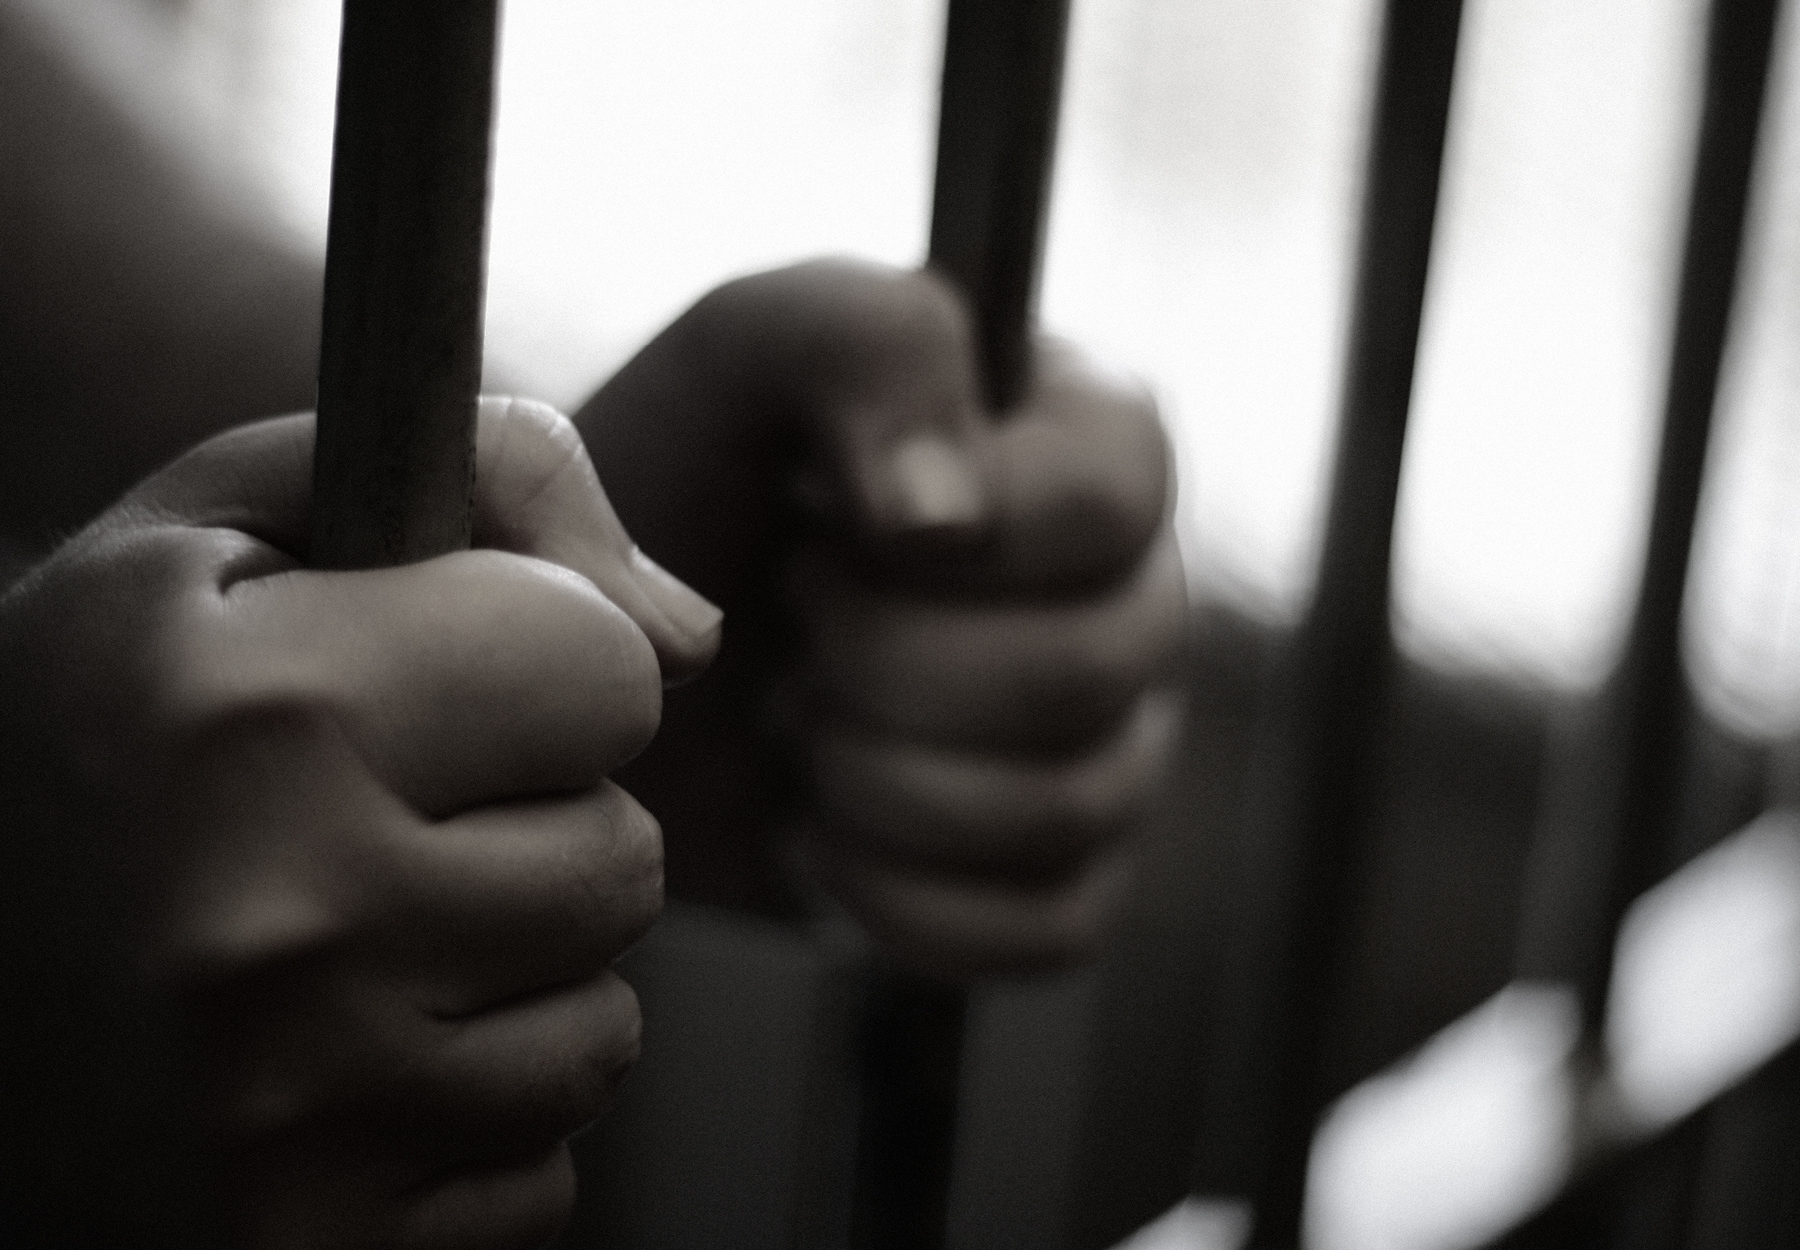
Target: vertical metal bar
[
  {"x": 1312, "y": 784},
  {"x": 997, "y": 116},
  {"x": 1632, "y": 834},
  {"x": 1748, "y": 1184},
  {"x": 400, "y": 358},
  {"x": 912, "y": 1064},
  {"x": 1002, "y": 83},
  {"x": 1646, "y": 697}
]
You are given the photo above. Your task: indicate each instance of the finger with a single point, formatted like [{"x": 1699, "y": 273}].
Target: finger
[
  {"x": 848, "y": 386},
  {"x": 255, "y": 479},
  {"x": 535, "y": 494},
  {"x": 509, "y": 1205},
  {"x": 336, "y": 1188},
  {"x": 321, "y": 1056},
  {"x": 513, "y": 900},
  {"x": 879, "y": 365},
  {"x": 1080, "y": 477},
  {"x": 955, "y": 926},
  {"x": 273, "y": 847},
  {"x": 1050, "y": 675},
  {"x": 329, "y": 1051},
  {"x": 1001, "y": 816},
  {"x": 473, "y": 678},
  {"x": 1069, "y": 488},
  {"x": 504, "y": 1084}
]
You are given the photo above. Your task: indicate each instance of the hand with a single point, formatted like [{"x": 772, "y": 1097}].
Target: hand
[
  {"x": 953, "y": 634},
  {"x": 376, "y": 869}
]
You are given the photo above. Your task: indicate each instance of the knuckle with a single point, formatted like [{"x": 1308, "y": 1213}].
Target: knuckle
[
  {"x": 532, "y": 431},
  {"x": 1130, "y": 636},
  {"x": 612, "y": 1045},
  {"x": 585, "y": 657},
  {"x": 923, "y": 306},
  {"x": 236, "y": 896},
  {"x": 230, "y": 933},
  {"x": 845, "y": 306},
  {"x": 1077, "y": 918},
  {"x": 625, "y": 696},
  {"x": 1091, "y": 801},
  {"x": 1101, "y": 481},
  {"x": 263, "y": 1108},
  {"x": 625, "y": 882},
  {"x": 187, "y": 666}
]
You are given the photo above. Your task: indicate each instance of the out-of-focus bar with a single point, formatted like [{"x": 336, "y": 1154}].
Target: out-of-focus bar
[
  {"x": 1625, "y": 831},
  {"x": 1003, "y": 62},
  {"x": 1307, "y": 796},
  {"x": 1001, "y": 89}
]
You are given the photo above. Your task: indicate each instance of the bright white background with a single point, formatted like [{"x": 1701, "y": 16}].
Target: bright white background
[{"x": 1201, "y": 234}]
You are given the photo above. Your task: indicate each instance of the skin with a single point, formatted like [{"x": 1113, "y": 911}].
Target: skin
[
  {"x": 315, "y": 879},
  {"x": 378, "y": 873},
  {"x": 955, "y": 680}
]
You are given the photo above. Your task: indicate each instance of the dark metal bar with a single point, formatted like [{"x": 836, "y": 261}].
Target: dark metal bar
[
  {"x": 1001, "y": 87},
  {"x": 1747, "y": 1190},
  {"x": 912, "y": 1066},
  {"x": 1625, "y": 827},
  {"x": 1002, "y": 83},
  {"x": 1646, "y": 698},
  {"x": 1309, "y": 797},
  {"x": 400, "y": 359}
]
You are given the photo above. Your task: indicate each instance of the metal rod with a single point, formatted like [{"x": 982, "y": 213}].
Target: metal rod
[
  {"x": 1311, "y": 784},
  {"x": 1646, "y": 697},
  {"x": 1002, "y": 84},
  {"x": 1623, "y": 830},
  {"x": 912, "y": 1065},
  {"x": 400, "y": 358}
]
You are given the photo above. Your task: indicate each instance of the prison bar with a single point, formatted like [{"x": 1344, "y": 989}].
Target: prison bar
[
  {"x": 1627, "y": 834},
  {"x": 1646, "y": 700},
  {"x": 1002, "y": 85},
  {"x": 400, "y": 353},
  {"x": 1307, "y": 799},
  {"x": 1001, "y": 88}
]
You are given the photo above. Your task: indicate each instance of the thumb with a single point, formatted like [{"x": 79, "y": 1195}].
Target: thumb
[
  {"x": 854, "y": 384},
  {"x": 896, "y": 409}
]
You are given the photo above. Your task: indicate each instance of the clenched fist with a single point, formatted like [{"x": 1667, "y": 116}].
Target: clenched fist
[
  {"x": 314, "y": 880},
  {"x": 948, "y": 677}
]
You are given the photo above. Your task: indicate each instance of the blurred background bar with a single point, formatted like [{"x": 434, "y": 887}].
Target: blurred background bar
[
  {"x": 912, "y": 1050},
  {"x": 1311, "y": 797},
  {"x": 1002, "y": 85},
  {"x": 1647, "y": 703},
  {"x": 1637, "y": 784},
  {"x": 997, "y": 110}
]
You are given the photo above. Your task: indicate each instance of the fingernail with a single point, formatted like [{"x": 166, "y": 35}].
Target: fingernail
[
  {"x": 935, "y": 485},
  {"x": 685, "y": 609}
]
